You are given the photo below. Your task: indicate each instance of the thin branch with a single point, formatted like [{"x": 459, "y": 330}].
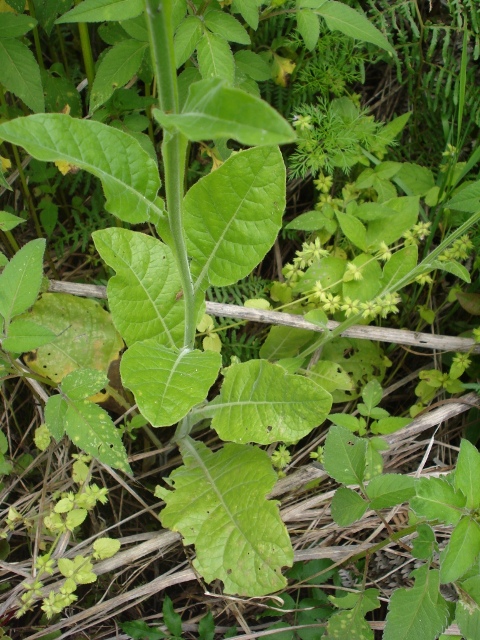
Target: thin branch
[{"x": 380, "y": 334}]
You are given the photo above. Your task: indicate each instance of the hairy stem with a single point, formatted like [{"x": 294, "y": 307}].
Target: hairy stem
[{"x": 160, "y": 28}]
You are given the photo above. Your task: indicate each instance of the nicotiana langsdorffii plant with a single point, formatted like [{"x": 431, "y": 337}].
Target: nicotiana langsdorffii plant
[{"x": 214, "y": 234}]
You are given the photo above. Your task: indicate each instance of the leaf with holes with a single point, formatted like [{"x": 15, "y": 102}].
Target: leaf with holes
[
  {"x": 167, "y": 383},
  {"x": 145, "y": 294},
  {"x": 129, "y": 175},
  {"x": 90, "y": 428},
  {"x": 219, "y": 504},
  {"x": 232, "y": 216}
]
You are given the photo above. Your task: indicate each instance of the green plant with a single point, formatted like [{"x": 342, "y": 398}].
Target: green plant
[{"x": 213, "y": 236}]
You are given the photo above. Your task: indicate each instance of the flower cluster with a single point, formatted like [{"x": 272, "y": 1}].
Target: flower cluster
[
  {"x": 311, "y": 252},
  {"x": 460, "y": 249}
]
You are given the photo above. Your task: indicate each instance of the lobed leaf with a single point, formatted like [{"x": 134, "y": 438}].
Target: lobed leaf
[
  {"x": 260, "y": 402},
  {"x": 420, "y": 612},
  {"x": 142, "y": 296},
  {"x": 167, "y": 383},
  {"x": 219, "y": 504},
  {"x": 129, "y": 175},
  {"x": 232, "y": 216}
]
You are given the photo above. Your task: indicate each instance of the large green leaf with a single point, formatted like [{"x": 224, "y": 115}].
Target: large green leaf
[
  {"x": 214, "y": 110},
  {"x": 20, "y": 74},
  {"x": 215, "y": 58},
  {"x": 90, "y": 428},
  {"x": 226, "y": 26},
  {"x": 13, "y": 25},
  {"x": 129, "y": 175},
  {"x": 340, "y": 17},
  {"x": 103, "y": 10},
  {"x": 466, "y": 199},
  {"x": 86, "y": 337},
  {"x": 167, "y": 383},
  {"x": 399, "y": 266},
  {"x": 436, "y": 499},
  {"x": 260, "y": 402},
  {"x": 219, "y": 505},
  {"x": 232, "y": 216},
  {"x": 21, "y": 279},
  {"x": 142, "y": 296},
  {"x": 420, "y": 612},
  {"x": 461, "y": 551},
  {"x": 116, "y": 68}
]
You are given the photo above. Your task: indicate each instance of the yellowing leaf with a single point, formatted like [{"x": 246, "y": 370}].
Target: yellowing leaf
[{"x": 282, "y": 68}]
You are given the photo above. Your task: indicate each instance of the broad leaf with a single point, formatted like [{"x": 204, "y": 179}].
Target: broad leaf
[
  {"x": 82, "y": 383},
  {"x": 8, "y": 221},
  {"x": 55, "y": 412},
  {"x": 453, "y": 267},
  {"x": 260, "y": 402},
  {"x": 372, "y": 394},
  {"x": 399, "y": 266},
  {"x": 20, "y": 74},
  {"x": 462, "y": 550},
  {"x": 420, "y": 612},
  {"x": 85, "y": 336},
  {"x": 403, "y": 214},
  {"x": 226, "y": 26},
  {"x": 219, "y": 505},
  {"x": 215, "y": 58},
  {"x": 167, "y": 383},
  {"x": 370, "y": 284},
  {"x": 467, "y": 199},
  {"x": 21, "y": 279},
  {"x": 284, "y": 342},
  {"x": 344, "y": 456},
  {"x": 103, "y": 11},
  {"x": 390, "y": 489},
  {"x": 467, "y": 616},
  {"x": 414, "y": 179},
  {"x": 12, "y": 25},
  {"x": 348, "y": 625},
  {"x": 214, "y": 110},
  {"x": 309, "y": 27},
  {"x": 248, "y": 9},
  {"x": 142, "y": 296},
  {"x": 129, "y": 175},
  {"x": 186, "y": 39},
  {"x": 347, "y": 506},
  {"x": 116, "y": 68},
  {"x": 467, "y": 474},
  {"x": 352, "y": 23},
  {"x": 436, "y": 499},
  {"x": 353, "y": 229},
  {"x": 25, "y": 335},
  {"x": 252, "y": 65},
  {"x": 90, "y": 428},
  {"x": 232, "y": 216}
]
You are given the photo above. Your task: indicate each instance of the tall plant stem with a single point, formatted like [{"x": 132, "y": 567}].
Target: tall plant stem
[
  {"x": 36, "y": 37},
  {"x": 86, "y": 51},
  {"x": 174, "y": 146}
]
